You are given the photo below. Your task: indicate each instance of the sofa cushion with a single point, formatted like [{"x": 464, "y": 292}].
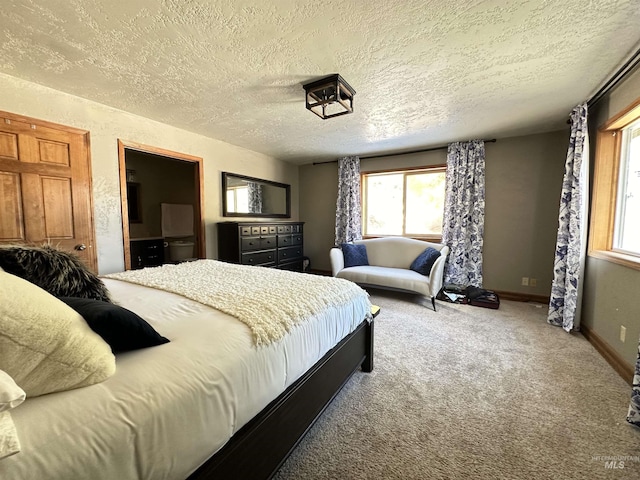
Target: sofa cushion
[
  {"x": 423, "y": 262},
  {"x": 394, "y": 252},
  {"x": 386, "y": 277},
  {"x": 354, "y": 255}
]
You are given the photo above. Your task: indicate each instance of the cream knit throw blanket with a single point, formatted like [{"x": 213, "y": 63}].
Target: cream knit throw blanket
[{"x": 268, "y": 300}]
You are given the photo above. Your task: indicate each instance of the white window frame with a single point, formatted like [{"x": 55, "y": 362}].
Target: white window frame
[{"x": 621, "y": 197}]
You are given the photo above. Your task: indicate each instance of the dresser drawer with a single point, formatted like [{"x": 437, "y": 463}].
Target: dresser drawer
[
  {"x": 268, "y": 242},
  {"x": 290, "y": 253},
  {"x": 259, "y": 258},
  {"x": 258, "y": 243},
  {"x": 146, "y": 253},
  {"x": 250, "y": 243},
  {"x": 284, "y": 228},
  {"x": 284, "y": 241},
  {"x": 296, "y": 239}
]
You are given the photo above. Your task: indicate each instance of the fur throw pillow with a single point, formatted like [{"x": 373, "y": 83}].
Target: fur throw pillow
[{"x": 60, "y": 273}]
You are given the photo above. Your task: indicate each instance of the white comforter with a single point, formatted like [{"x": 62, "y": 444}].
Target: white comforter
[{"x": 168, "y": 408}]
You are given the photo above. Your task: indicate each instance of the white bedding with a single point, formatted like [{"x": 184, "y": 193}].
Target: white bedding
[
  {"x": 168, "y": 408},
  {"x": 270, "y": 301}
]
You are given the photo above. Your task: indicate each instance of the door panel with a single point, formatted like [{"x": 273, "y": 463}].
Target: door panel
[
  {"x": 58, "y": 207},
  {"x": 11, "y": 222},
  {"x": 45, "y": 192},
  {"x": 9, "y": 145},
  {"x": 55, "y": 153}
]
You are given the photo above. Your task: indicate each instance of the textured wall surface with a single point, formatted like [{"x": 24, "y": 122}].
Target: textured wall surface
[
  {"x": 426, "y": 72},
  {"x": 106, "y": 125}
]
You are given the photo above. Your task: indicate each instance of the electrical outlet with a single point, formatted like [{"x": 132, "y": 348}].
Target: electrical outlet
[
  {"x": 623, "y": 333},
  {"x": 533, "y": 282},
  {"x": 525, "y": 281}
]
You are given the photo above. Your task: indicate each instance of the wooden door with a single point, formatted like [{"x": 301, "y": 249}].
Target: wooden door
[{"x": 45, "y": 186}]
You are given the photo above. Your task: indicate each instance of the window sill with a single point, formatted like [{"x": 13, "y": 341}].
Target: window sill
[
  {"x": 623, "y": 259},
  {"x": 431, "y": 239}
]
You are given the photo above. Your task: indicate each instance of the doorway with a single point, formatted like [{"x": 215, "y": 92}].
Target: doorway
[{"x": 151, "y": 180}]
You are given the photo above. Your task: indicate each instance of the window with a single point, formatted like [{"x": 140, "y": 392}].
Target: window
[
  {"x": 238, "y": 199},
  {"x": 627, "y": 228},
  {"x": 615, "y": 230},
  {"x": 404, "y": 202}
]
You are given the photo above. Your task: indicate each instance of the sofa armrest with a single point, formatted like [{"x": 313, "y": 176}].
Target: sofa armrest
[
  {"x": 436, "y": 275},
  {"x": 337, "y": 261}
]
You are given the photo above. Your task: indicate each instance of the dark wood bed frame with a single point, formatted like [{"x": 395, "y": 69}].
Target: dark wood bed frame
[{"x": 259, "y": 448}]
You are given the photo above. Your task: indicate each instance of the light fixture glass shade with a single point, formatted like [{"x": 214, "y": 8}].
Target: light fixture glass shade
[{"x": 329, "y": 97}]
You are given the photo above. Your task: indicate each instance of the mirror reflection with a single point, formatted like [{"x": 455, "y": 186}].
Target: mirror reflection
[{"x": 253, "y": 197}]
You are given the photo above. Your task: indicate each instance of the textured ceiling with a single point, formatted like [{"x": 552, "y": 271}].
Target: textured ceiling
[{"x": 426, "y": 72}]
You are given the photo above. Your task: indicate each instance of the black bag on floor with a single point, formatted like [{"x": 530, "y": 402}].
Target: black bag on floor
[
  {"x": 480, "y": 297},
  {"x": 453, "y": 293}
]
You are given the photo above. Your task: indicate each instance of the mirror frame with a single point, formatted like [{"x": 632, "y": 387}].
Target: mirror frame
[{"x": 226, "y": 213}]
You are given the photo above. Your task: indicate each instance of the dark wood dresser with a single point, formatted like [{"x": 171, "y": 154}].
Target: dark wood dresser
[
  {"x": 146, "y": 252},
  {"x": 268, "y": 244}
]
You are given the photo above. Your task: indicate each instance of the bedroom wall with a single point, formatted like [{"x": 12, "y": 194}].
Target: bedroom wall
[
  {"x": 523, "y": 182},
  {"x": 609, "y": 288},
  {"x": 106, "y": 125}
]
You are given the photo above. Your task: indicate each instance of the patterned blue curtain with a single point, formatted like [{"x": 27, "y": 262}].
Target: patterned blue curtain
[
  {"x": 463, "y": 222},
  {"x": 255, "y": 197},
  {"x": 348, "y": 211},
  {"x": 634, "y": 406},
  {"x": 566, "y": 289}
]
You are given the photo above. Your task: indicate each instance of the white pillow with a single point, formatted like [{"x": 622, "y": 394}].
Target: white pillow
[
  {"x": 9, "y": 441},
  {"x": 11, "y": 395},
  {"x": 45, "y": 345}
]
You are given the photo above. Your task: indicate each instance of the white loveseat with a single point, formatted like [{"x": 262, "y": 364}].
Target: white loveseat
[{"x": 389, "y": 261}]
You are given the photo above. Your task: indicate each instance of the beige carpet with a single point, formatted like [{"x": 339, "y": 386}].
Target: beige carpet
[{"x": 472, "y": 393}]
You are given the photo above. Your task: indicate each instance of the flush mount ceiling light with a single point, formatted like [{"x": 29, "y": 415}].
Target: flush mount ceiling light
[{"x": 329, "y": 97}]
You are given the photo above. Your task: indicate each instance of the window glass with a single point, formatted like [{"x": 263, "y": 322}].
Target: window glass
[
  {"x": 627, "y": 227},
  {"x": 404, "y": 202},
  {"x": 383, "y": 202},
  {"x": 238, "y": 199},
  {"x": 425, "y": 203}
]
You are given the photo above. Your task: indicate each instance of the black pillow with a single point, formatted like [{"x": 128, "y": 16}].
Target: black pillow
[
  {"x": 423, "y": 262},
  {"x": 354, "y": 254},
  {"x": 122, "y": 329},
  {"x": 60, "y": 273}
]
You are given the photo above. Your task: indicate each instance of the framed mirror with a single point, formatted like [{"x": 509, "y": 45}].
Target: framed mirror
[{"x": 253, "y": 197}]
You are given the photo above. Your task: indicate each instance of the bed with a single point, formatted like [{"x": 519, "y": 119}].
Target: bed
[{"x": 200, "y": 405}]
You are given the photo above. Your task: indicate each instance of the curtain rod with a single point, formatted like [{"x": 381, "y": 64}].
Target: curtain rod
[
  {"x": 621, "y": 73},
  {"x": 444, "y": 147}
]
